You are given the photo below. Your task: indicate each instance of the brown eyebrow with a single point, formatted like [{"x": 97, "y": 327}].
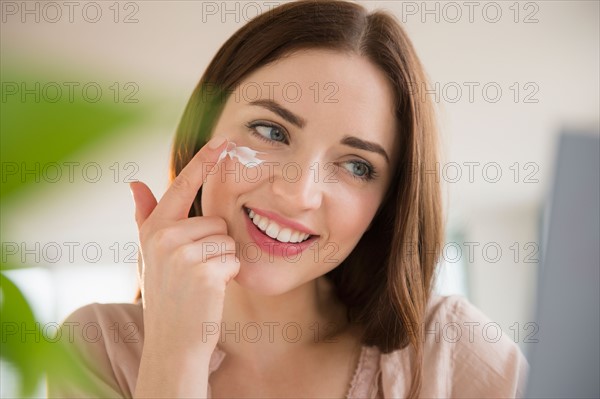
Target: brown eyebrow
[
  {"x": 300, "y": 122},
  {"x": 273, "y": 106},
  {"x": 355, "y": 142}
]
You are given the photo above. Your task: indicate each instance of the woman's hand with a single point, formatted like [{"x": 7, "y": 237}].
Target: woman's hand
[{"x": 186, "y": 264}]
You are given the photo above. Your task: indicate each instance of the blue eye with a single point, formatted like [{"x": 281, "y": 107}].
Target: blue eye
[
  {"x": 268, "y": 132},
  {"x": 361, "y": 170}
]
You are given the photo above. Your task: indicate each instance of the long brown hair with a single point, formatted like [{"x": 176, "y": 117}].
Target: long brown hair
[{"x": 386, "y": 280}]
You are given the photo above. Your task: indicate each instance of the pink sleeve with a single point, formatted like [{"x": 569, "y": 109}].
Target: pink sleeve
[
  {"x": 486, "y": 362},
  {"x": 99, "y": 353},
  {"x": 465, "y": 355}
]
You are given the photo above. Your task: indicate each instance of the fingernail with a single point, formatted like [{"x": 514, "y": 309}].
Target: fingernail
[{"x": 215, "y": 142}]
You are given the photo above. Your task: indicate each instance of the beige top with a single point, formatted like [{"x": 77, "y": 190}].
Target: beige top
[{"x": 465, "y": 355}]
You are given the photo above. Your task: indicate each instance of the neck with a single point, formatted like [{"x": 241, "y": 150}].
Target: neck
[{"x": 255, "y": 324}]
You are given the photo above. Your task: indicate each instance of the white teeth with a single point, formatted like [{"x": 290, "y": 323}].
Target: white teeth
[
  {"x": 273, "y": 230},
  {"x": 284, "y": 235},
  {"x": 262, "y": 223},
  {"x": 295, "y": 236}
]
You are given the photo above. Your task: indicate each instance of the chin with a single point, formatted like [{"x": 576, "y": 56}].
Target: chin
[{"x": 260, "y": 279}]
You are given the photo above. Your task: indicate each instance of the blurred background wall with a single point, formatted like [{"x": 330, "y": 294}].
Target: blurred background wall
[{"x": 92, "y": 93}]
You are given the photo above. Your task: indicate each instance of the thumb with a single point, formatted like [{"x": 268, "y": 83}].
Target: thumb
[{"x": 144, "y": 200}]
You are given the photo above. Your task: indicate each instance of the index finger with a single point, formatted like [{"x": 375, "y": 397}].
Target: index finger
[{"x": 179, "y": 197}]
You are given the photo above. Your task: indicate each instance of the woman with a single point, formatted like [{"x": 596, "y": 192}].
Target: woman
[{"x": 308, "y": 271}]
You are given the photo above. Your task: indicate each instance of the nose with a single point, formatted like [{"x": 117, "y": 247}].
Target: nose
[{"x": 298, "y": 187}]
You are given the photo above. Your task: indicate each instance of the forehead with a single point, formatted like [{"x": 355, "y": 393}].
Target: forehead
[{"x": 331, "y": 90}]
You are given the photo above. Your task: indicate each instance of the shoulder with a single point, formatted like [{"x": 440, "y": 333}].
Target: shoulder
[
  {"x": 110, "y": 327},
  {"x": 465, "y": 354},
  {"x": 103, "y": 342},
  {"x": 103, "y": 316}
]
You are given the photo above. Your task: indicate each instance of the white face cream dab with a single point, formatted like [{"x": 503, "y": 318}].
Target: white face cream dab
[{"x": 245, "y": 155}]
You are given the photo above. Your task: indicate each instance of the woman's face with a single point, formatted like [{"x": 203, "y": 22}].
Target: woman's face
[{"x": 324, "y": 127}]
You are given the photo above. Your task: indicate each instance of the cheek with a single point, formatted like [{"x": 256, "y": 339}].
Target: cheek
[
  {"x": 352, "y": 215},
  {"x": 348, "y": 221},
  {"x": 223, "y": 189}
]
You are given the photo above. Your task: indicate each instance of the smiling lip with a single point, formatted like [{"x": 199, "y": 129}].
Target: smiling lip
[
  {"x": 283, "y": 222},
  {"x": 277, "y": 248}
]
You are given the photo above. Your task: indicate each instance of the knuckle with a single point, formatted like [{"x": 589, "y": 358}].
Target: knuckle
[
  {"x": 165, "y": 237},
  {"x": 185, "y": 255},
  {"x": 221, "y": 225},
  {"x": 217, "y": 223},
  {"x": 202, "y": 157},
  {"x": 182, "y": 183},
  {"x": 218, "y": 244},
  {"x": 229, "y": 243},
  {"x": 230, "y": 259},
  {"x": 208, "y": 277}
]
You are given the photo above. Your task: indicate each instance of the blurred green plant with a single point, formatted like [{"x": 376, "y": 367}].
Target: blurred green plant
[{"x": 34, "y": 130}]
